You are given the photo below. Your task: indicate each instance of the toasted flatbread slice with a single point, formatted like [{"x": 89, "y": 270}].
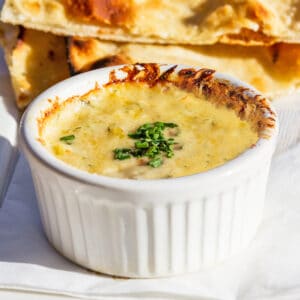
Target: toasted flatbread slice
[
  {"x": 35, "y": 60},
  {"x": 273, "y": 70},
  {"x": 195, "y": 22}
]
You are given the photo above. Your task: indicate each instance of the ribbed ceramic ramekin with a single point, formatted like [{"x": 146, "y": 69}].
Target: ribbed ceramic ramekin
[{"x": 145, "y": 228}]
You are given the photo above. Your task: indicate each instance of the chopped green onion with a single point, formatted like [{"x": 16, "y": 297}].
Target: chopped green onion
[
  {"x": 122, "y": 154},
  {"x": 155, "y": 162},
  {"x": 68, "y": 139},
  {"x": 140, "y": 144},
  {"x": 150, "y": 143}
]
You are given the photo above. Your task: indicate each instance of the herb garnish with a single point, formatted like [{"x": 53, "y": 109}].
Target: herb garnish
[
  {"x": 68, "y": 139},
  {"x": 150, "y": 143}
]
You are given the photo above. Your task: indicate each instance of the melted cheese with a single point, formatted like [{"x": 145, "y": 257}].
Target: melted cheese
[{"x": 101, "y": 120}]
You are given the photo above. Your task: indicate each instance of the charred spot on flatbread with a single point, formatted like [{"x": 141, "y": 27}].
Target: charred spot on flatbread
[
  {"x": 248, "y": 36},
  {"x": 113, "y": 60},
  {"x": 114, "y": 12},
  {"x": 85, "y": 54}
]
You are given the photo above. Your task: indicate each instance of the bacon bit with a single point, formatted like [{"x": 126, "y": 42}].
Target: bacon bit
[
  {"x": 142, "y": 162},
  {"x": 178, "y": 147},
  {"x": 172, "y": 131}
]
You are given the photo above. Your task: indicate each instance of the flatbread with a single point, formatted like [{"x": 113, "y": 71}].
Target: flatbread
[
  {"x": 195, "y": 22},
  {"x": 273, "y": 70},
  {"x": 35, "y": 61}
]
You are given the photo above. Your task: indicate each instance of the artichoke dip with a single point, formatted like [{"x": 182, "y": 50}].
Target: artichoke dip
[{"x": 141, "y": 131}]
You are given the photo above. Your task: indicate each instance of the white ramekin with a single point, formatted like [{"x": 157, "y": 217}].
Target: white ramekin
[{"x": 144, "y": 228}]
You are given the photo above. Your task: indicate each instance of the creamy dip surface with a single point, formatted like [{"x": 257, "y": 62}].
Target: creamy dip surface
[{"x": 85, "y": 130}]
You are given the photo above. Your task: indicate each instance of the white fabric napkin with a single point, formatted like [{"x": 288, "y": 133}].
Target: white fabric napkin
[
  {"x": 268, "y": 269},
  {"x": 8, "y": 129}
]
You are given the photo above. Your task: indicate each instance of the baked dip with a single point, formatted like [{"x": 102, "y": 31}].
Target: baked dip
[{"x": 149, "y": 125}]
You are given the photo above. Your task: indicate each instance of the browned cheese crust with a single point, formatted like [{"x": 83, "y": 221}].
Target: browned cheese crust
[
  {"x": 248, "y": 106},
  {"x": 252, "y": 108}
]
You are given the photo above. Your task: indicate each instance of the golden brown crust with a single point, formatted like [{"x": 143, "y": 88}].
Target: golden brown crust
[
  {"x": 248, "y": 105},
  {"x": 252, "y": 108},
  {"x": 41, "y": 121},
  {"x": 113, "y": 12}
]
